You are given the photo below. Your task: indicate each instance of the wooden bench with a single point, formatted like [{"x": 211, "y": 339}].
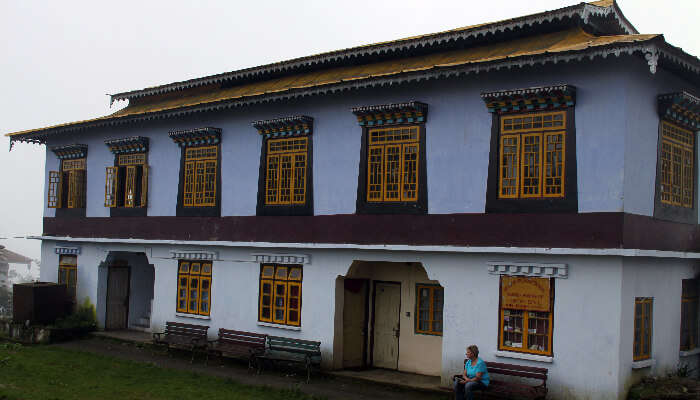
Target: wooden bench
[
  {"x": 239, "y": 343},
  {"x": 186, "y": 336},
  {"x": 515, "y": 390},
  {"x": 305, "y": 352}
]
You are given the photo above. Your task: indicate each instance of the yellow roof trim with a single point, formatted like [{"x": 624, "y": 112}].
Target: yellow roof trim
[{"x": 563, "y": 41}]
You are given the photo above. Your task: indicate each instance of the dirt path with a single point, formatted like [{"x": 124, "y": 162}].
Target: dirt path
[{"x": 331, "y": 387}]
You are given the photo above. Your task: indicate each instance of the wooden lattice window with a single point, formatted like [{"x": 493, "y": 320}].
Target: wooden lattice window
[
  {"x": 392, "y": 164},
  {"x": 643, "y": 309},
  {"x": 677, "y": 165},
  {"x": 280, "y": 294},
  {"x": 532, "y": 152},
  {"x": 126, "y": 185},
  {"x": 194, "y": 287},
  {"x": 689, "y": 315},
  {"x": 429, "y": 302},
  {"x": 285, "y": 174},
  {"x": 525, "y": 315},
  {"x": 200, "y": 176},
  {"x": 66, "y": 188},
  {"x": 68, "y": 275}
]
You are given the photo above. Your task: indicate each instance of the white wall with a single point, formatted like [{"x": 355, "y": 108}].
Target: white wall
[
  {"x": 660, "y": 279},
  {"x": 592, "y": 322}
]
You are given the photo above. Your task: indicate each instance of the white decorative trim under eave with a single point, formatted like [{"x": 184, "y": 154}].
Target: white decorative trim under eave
[
  {"x": 194, "y": 255},
  {"x": 282, "y": 258},
  {"x": 392, "y": 247},
  {"x": 523, "y": 356},
  {"x": 644, "y": 363},
  {"x": 287, "y": 327},
  {"x": 528, "y": 269},
  {"x": 67, "y": 250}
]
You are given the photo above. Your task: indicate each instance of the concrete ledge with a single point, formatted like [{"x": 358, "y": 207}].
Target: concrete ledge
[
  {"x": 644, "y": 363},
  {"x": 689, "y": 353},
  {"x": 192, "y": 316},
  {"x": 287, "y": 327},
  {"x": 523, "y": 356}
]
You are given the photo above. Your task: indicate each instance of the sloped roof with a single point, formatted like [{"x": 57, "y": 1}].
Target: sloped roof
[
  {"x": 11, "y": 257},
  {"x": 572, "y": 43},
  {"x": 603, "y": 16}
]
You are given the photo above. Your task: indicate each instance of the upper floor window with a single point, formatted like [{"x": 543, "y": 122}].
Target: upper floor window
[
  {"x": 392, "y": 174},
  {"x": 285, "y": 166},
  {"x": 126, "y": 183},
  {"x": 532, "y": 148},
  {"x": 66, "y": 188},
  {"x": 532, "y": 163},
  {"x": 199, "y": 191},
  {"x": 676, "y": 191},
  {"x": 677, "y": 165}
]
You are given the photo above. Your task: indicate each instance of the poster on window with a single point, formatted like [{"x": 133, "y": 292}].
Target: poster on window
[{"x": 521, "y": 293}]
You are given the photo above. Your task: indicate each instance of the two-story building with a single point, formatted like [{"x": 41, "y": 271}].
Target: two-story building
[{"x": 528, "y": 185}]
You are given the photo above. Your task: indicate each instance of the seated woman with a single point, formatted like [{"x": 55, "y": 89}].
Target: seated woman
[{"x": 474, "y": 377}]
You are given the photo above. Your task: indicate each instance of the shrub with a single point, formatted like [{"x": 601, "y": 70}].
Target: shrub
[{"x": 83, "y": 318}]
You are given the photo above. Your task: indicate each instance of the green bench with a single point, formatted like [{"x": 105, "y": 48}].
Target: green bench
[{"x": 305, "y": 352}]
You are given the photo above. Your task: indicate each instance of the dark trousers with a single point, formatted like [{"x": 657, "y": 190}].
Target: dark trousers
[{"x": 466, "y": 391}]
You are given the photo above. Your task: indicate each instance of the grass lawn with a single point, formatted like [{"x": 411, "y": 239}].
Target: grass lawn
[{"x": 42, "y": 372}]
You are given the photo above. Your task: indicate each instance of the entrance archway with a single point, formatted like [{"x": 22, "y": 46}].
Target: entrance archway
[
  {"x": 391, "y": 318},
  {"x": 125, "y": 291}
]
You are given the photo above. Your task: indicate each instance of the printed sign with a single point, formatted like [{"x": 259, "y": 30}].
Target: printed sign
[{"x": 522, "y": 293}]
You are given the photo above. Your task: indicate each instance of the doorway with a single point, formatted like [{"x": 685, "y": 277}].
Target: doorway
[
  {"x": 386, "y": 324},
  {"x": 117, "y": 315},
  {"x": 356, "y": 297}
]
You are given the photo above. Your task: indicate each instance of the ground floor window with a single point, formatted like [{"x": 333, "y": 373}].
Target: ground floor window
[
  {"x": 68, "y": 275},
  {"x": 526, "y": 306},
  {"x": 643, "y": 308},
  {"x": 689, "y": 315},
  {"x": 429, "y": 301},
  {"x": 194, "y": 287},
  {"x": 280, "y": 294}
]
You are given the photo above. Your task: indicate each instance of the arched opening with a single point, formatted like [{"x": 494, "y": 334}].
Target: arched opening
[
  {"x": 125, "y": 291},
  {"x": 391, "y": 318}
]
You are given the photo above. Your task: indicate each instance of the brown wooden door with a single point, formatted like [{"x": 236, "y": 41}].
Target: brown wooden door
[
  {"x": 355, "y": 323},
  {"x": 117, "y": 298}
]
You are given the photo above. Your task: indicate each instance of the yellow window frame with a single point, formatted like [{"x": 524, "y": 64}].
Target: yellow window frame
[
  {"x": 393, "y": 160},
  {"x": 643, "y": 326},
  {"x": 281, "y": 279},
  {"x": 285, "y": 175},
  {"x": 677, "y": 165},
  {"x": 194, "y": 271},
  {"x": 200, "y": 176},
  {"x": 54, "y": 189},
  {"x": 432, "y": 290},
  {"x": 525, "y": 330},
  {"x": 550, "y": 167},
  {"x": 68, "y": 274}
]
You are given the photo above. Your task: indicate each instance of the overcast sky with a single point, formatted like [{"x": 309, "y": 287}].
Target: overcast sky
[{"x": 60, "y": 58}]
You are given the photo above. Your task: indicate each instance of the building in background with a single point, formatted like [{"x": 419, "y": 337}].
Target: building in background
[{"x": 528, "y": 185}]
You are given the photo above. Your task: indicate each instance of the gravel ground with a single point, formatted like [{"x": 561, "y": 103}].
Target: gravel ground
[{"x": 331, "y": 387}]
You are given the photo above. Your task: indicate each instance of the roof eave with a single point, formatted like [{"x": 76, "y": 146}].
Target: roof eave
[
  {"x": 654, "y": 50},
  {"x": 584, "y": 11}
]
